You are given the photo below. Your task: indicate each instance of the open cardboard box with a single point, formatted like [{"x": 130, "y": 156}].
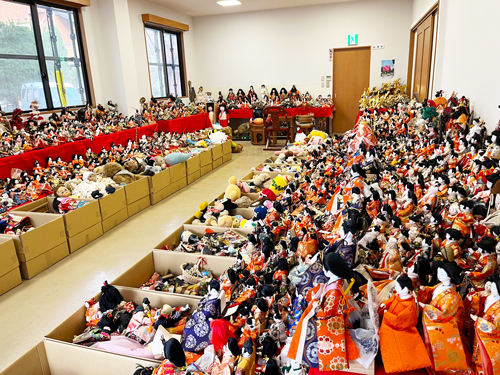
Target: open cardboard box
[
  {"x": 173, "y": 239},
  {"x": 65, "y": 358},
  {"x": 35, "y": 206},
  {"x": 10, "y": 275},
  {"x": 206, "y": 158},
  {"x": 160, "y": 194},
  {"x": 217, "y": 163},
  {"x": 164, "y": 261},
  {"x": 216, "y": 152},
  {"x": 193, "y": 165},
  {"x": 177, "y": 172},
  {"x": 48, "y": 232},
  {"x": 159, "y": 181},
  {"x": 33, "y": 362},
  {"x": 137, "y": 189},
  {"x": 226, "y": 147},
  {"x": 226, "y": 158},
  {"x": 113, "y": 203}
]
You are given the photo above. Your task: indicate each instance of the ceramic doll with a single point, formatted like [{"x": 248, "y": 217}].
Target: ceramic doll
[
  {"x": 263, "y": 92},
  {"x": 323, "y": 322},
  {"x": 464, "y": 220},
  {"x": 197, "y": 330},
  {"x": 401, "y": 346},
  {"x": 443, "y": 318},
  {"x": 487, "y": 327},
  {"x": 250, "y": 331},
  {"x": 485, "y": 261},
  {"x": 231, "y": 352},
  {"x": 231, "y": 96},
  {"x": 223, "y": 116}
]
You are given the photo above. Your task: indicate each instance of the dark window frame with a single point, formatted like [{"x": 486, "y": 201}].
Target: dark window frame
[
  {"x": 42, "y": 59},
  {"x": 180, "y": 50}
]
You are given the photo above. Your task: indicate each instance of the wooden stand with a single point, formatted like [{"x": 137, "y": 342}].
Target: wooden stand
[{"x": 258, "y": 134}]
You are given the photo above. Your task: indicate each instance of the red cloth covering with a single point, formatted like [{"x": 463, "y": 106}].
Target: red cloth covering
[
  {"x": 185, "y": 124},
  {"x": 147, "y": 130},
  {"x": 317, "y": 112}
]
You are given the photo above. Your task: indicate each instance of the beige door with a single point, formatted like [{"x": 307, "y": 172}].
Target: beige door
[
  {"x": 423, "y": 38},
  {"x": 351, "y": 76}
]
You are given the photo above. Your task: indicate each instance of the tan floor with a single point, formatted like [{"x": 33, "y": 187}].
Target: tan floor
[{"x": 37, "y": 306}]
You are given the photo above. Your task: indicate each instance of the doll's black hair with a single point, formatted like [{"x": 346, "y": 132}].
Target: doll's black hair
[
  {"x": 248, "y": 345},
  {"x": 396, "y": 221},
  {"x": 422, "y": 268},
  {"x": 405, "y": 282},
  {"x": 392, "y": 195},
  {"x": 452, "y": 269},
  {"x": 455, "y": 234},
  {"x": 214, "y": 284},
  {"x": 110, "y": 297},
  {"x": 334, "y": 263},
  {"x": 437, "y": 217},
  {"x": 172, "y": 350},
  {"x": 269, "y": 347},
  {"x": 231, "y": 275},
  {"x": 282, "y": 264},
  {"x": 487, "y": 244},
  {"x": 232, "y": 344},
  {"x": 387, "y": 208},
  {"x": 141, "y": 370}
]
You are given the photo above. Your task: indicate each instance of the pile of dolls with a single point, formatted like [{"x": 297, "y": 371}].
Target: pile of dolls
[
  {"x": 15, "y": 225},
  {"x": 34, "y": 133},
  {"x": 169, "y": 109},
  {"x": 386, "y": 96}
]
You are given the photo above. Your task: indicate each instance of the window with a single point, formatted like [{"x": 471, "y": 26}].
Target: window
[
  {"x": 166, "y": 70},
  {"x": 40, "y": 57}
]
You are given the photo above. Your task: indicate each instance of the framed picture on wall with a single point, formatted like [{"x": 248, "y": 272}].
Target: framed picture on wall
[{"x": 387, "y": 68}]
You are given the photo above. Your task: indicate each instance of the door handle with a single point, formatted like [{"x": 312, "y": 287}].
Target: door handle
[{"x": 335, "y": 96}]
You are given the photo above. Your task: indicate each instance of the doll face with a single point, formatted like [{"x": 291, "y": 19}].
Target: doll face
[
  {"x": 487, "y": 286},
  {"x": 330, "y": 274},
  {"x": 212, "y": 293},
  {"x": 494, "y": 290},
  {"x": 63, "y": 192},
  {"x": 442, "y": 275},
  {"x": 401, "y": 292}
]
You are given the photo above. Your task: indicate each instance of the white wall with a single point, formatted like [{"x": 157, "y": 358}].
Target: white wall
[
  {"x": 467, "y": 58},
  {"x": 419, "y": 8},
  {"x": 290, "y": 46},
  {"x": 117, "y": 49}
]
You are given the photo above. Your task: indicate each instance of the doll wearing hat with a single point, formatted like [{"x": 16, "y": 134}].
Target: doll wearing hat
[
  {"x": 246, "y": 362},
  {"x": 175, "y": 359}
]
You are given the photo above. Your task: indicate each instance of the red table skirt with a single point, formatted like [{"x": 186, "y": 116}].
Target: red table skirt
[
  {"x": 185, "y": 124},
  {"x": 66, "y": 151},
  {"x": 317, "y": 112}
]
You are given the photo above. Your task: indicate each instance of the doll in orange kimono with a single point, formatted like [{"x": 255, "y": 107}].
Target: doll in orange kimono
[
  {"x": 487, "y": 339},
  {"x": 401, "y": 346},
  {"x": 464, "y": 219},
  {"x": 486, "y": 261},
  {"x": 321, "y": 340},
  {"x": 443, "y": 317}
]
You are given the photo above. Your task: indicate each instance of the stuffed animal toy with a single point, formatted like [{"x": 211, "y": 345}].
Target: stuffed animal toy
[
  {"x": 150, "y": 167},
  {"x": 218, "y": 137},
  {"x": 200, "y": 214},
  {"x": 279, "y": 184},
  {"x": 225, "y": 221},
  {"x": 236, "y": 148},
  {"x": 242, "y": 129},
  {"x": 260, "y": 180},
  {"x": 176, "y": 158},
  {"x": 244, "y": 202},
  {"x": 116, "y": 172},
  {"x": 228, "y": 131},
  {"x": 233, "y": 192},
  {"x": 160, "y": 163},
  {"x": 134, "y": 166}
]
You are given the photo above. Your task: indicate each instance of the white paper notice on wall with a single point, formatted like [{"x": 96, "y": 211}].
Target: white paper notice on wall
[{"x": 331, "y": 54}]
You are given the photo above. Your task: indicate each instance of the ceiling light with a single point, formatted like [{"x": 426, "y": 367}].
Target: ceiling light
[{"x": 228, "y": 3}]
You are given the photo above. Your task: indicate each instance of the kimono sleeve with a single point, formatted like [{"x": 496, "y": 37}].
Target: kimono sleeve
[
  {"x": 448, "y": 307},
  {"x": 404, "y": 320}
]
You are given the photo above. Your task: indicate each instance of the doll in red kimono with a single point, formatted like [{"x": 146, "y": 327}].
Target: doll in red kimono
[
  {"x": 485, "y": 259},
  {"x": 223, "y": 116}
]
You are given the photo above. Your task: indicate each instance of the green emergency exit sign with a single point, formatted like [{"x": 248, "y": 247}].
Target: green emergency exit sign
[{"x": 352, "y": 39}]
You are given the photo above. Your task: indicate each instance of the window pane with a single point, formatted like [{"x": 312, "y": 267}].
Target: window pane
[
  {"x": 72, "y": 84},
  {"x": 20, "y": 84},
  {"x": 157, "y": 81},
  {"x": 171, "y": 49},
  {"x": 16, "y": 29},
  {"x": 59, "y": 24},
  {"x": 153, "y": 46}
]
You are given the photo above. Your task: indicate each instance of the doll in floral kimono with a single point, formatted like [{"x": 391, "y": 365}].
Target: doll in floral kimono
[
  {"x": 175, "y": 359},
  {"x": 246, "y": 362},
  {"x": 443, "y": 318},
  {"x": 226, "y": 365},
  {"x": 196, "y": 334},
  {"x": 320, "y": 339},
  {"x": 485, "y": 261},
  {"x": 401, "y": 346},
  {"x": 487, "y": 326}
]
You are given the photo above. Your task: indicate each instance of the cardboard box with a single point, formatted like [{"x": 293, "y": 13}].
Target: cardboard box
[
  {"x": 36, "y": 265},
  {"x": 137, "y": 189},
  {"x": 216, "y": 152},
  {"x": 226, "y": 148},
  {"x": 35, "y": 206},
  {"x": 85, "y": 237},
  {"x": 217, "y": 163},
  {"x": 173, "y": 239},
  {"x": 193, "y": 165},
  {"x": 206, "y": 158},
  {"x": 114, "y": 220},
  {"x": 139, "y": 205},
  {"x": 163, "y": 262},
  {"x": 193, "y": 176},
  {"x": 205, "y": 169},
  {"x": 177, "y": 172},
  {"x": 226, "y": 157},
  {"x": 112, "y": 203},
  {"x": 178, "y": 185},
  {"x": 10, "y": 275},
  {"x": 160, "y": 195},
  {"x": 159, "y": 181},
  {"x": 65, "y": 358},
  {"x": 33, "y": 362},
  {"x": 80, "y": 219},
  {"x": 49, "y": 232}
]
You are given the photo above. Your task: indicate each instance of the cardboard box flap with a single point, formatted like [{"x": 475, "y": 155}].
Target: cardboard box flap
[
  {"x": 172, "y": 240},
  {"x": 33, "y": 362},
  {"x": 137, "y": 189},
  {"x": 138, "y": 274},
  {"x": 172, "y": 260},
  {"x": 8, "y": 256},
  {"x": 159, "y": 181},
  {"x": 193, "y": 164},
  {"x": 32, "y": 206},
  {"x": 78, "y": 220}
]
